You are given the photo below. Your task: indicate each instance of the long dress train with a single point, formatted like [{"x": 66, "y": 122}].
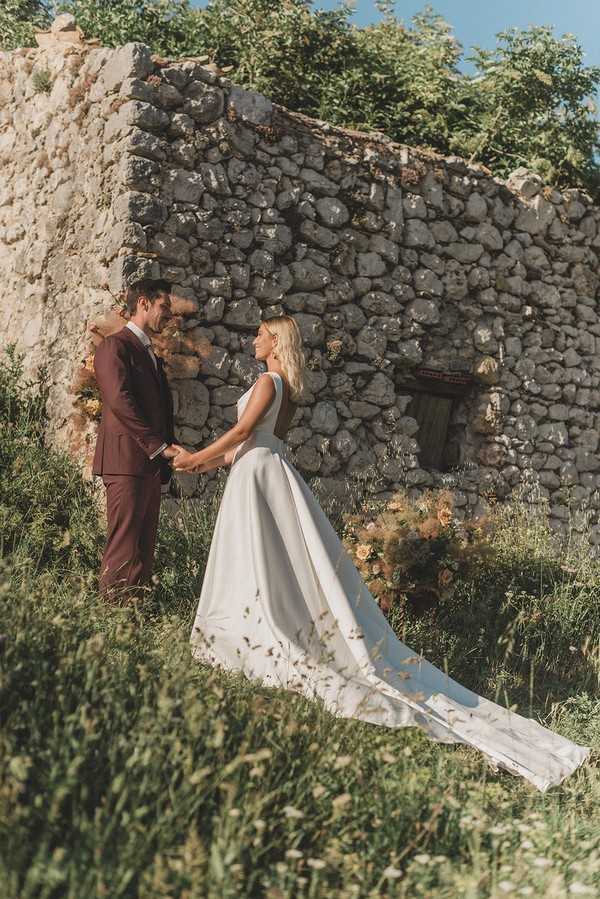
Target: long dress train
[{"x": 282, "y": 602}]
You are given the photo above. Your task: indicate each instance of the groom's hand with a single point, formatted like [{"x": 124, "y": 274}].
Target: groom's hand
[
  {"x": 171, "y": 451},
  {"x": 184, "y": 461}
]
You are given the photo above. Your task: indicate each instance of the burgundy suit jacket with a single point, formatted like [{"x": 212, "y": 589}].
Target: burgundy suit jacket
[{"x": 137, "y": 409}]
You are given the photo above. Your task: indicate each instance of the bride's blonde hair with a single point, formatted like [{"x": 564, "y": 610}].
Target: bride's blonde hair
[{"x": 289, "y": 351}]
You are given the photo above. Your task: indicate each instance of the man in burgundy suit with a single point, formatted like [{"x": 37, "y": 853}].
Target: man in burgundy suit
[{"x": 135, "y": 437}]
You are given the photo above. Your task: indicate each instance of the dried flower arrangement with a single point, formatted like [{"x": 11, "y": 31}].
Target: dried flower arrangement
[
  {"x": 412, "y": 552},
  {"x": 85, "y": 388}
]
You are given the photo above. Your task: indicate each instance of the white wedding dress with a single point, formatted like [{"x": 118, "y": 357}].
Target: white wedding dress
[{"x": 282, "y": 602}]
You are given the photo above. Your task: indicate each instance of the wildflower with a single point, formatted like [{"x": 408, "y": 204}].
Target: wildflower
[
  {"x": 293, "y": 853},
  {"x": 541, "y": 862},
  {"x": 392, "y": 873},
  {"x": 291, "y": 812},
  {"x": 376, "y": 569},
  {"x": 397, "y": 503},
  {"x": 318, "y": 791},
  {"x": 506, "y": 886},
  {"x": 444, "y": 516},
  {"x": 445, "y": 577},
  {"x": 423, "y": 858},
  {"x": 334, "y": 348},
  {"x": 317, "y": 863},
  {"x": 342, "y": 800},
  {"x": 258, "y": 756},
  {"x": 363, "y": 551},
  {"x": 234, "y": 813},
  {"x": 343, "y": 761},
  {"x": 93, "y": 407},
  {"x": 429, "y": 529},
  {"x": 580, "y": 889}
]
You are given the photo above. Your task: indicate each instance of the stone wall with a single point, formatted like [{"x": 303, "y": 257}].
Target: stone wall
[
  {"x": 407, "y": 272},
  {"x": 58, "y": 231}
]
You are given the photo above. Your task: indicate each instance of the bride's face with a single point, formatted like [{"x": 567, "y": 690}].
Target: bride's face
[{"x": 264, "y": 343}]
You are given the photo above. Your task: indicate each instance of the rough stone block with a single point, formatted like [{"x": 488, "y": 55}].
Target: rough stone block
[
  {"x": 126, "y": 270},
  {"x": 249, "y": 106},
  {"x": 139, "y": 207},
  {"x": 131, "y": 61},
  {"x": 242, "y": 314}
]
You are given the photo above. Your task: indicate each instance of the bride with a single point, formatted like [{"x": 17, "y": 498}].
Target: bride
[{"x": 282, "y": 601}]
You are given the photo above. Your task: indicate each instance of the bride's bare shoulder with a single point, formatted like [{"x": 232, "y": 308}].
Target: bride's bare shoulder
[{"x": 264, "y": 384}]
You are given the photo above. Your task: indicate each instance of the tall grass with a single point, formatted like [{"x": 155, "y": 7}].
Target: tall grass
[
  {"x": 48, "y": 518},
  {"x": 129, "y": 770}
]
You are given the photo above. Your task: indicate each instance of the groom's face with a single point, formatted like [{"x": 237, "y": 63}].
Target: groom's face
[{"x": 159, "y": 312}]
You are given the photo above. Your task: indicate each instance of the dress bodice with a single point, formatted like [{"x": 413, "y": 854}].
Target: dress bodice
[{"x": 268, "y": 422}]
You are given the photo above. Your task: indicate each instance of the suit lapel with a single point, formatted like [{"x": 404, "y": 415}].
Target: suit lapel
[{"x": 142, "y": 354}]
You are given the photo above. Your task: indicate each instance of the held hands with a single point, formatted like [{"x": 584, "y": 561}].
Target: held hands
[
  {"x": 170, "y": 452},
  {"x": 185, "y": 461},
  {"x": 180, "y": 458}
]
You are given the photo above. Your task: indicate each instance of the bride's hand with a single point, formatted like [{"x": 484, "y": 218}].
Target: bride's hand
[{"x": 185, "y": 461}]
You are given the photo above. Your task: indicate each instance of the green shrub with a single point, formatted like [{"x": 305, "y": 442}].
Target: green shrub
[
  {"x": 42, "y": 81},
  {"x": 48, "y": 517}
]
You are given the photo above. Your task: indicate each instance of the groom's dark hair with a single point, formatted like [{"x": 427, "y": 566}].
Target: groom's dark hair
[{"x": 147, "y": 287}]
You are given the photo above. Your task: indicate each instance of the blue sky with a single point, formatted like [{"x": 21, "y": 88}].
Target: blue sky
[{"x": 478, "y": 21}]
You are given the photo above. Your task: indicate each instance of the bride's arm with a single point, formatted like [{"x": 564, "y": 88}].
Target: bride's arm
[
  {"x": 258, "y": 404},
  {"x": 219, "y": 462},
  {"x": 210, "y": 466}
]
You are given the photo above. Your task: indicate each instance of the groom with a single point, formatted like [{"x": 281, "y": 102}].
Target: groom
[{"x": 135, "y": 437}]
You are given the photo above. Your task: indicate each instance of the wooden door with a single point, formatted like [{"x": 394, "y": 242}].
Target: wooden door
[{"x": 433, "y": 416}]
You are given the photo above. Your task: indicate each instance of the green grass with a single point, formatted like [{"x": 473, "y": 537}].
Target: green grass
[{"x": 127, "y": 769}]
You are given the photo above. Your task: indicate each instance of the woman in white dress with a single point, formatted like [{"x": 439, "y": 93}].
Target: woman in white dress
[{"x": 282, "y": 601}]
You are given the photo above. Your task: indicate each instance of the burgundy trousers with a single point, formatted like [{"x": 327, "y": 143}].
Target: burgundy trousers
[{"x": 132, "y": 508}]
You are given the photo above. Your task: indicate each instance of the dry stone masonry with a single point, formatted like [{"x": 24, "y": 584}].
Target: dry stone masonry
[{"x": 450, "y": 319}]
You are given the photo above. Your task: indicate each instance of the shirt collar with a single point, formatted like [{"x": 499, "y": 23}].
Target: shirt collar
[{"x": 141, "y": 335}]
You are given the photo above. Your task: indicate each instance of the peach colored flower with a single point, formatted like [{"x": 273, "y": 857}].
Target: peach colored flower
[
  {"x": 445, "y": 577},
  {"x": 429, "y": 529},
  {"x": 363, "y": 551},
  {"x": 93, "y": 407},
  {"x": 444, "y": 516}
]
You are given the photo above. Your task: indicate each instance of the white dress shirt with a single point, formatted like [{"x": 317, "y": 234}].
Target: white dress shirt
[{"x": 147, "y": 344}]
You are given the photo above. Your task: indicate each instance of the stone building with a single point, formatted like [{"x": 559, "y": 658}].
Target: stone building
[{"x": 450, "y": 318}]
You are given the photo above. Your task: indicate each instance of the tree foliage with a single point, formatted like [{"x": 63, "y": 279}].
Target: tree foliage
[
  {"x": 529, "y": 103},
  {"x": 19, "y": 19}
]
